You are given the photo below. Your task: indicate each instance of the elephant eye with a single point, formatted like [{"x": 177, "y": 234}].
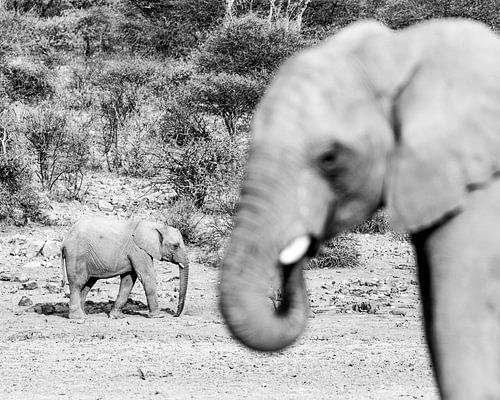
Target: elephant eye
[{"x": 329, "y": 160}]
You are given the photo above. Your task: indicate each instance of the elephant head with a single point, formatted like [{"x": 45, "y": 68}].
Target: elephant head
[
  {"x": 165, "y": 243},
  {"x": 408, "y": 120}
]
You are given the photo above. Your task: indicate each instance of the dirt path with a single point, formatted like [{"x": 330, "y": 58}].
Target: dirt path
[{"x": 376, "y": 352}]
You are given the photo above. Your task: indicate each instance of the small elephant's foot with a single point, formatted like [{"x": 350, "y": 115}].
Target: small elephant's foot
[
  {"x": 116, "y": 314},
  {"x": 156, "y": 314},
  {"x": 77, "y": 315}
]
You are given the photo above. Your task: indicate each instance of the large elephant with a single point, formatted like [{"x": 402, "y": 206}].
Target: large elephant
[
  {"x": 409, "y": 120},
  {"x": 102, "y": 247}
]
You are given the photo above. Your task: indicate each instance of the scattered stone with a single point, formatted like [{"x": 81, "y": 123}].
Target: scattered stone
[
  {"x": 6, "y": 277},
  {"x": 398, "y": 311},
  {"x": 25, "y": 301},
  {"x": 31, "y": 285},
  {"x": 365, "y": 307},
  {"x": 34, "y": 248},
  {"x": 18, "y": 250},
  {"x": 51, "y": 249},
  {"x": 53, "y": 288},
  {"x": 105, "y": 206},
  {"x": 18, "y": 239}
]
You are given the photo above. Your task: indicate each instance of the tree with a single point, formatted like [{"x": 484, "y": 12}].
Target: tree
[
  {"x": 248, "y": 46},
  {"x": 170, "y": 27},
  {"x": 230, "y": 97}
]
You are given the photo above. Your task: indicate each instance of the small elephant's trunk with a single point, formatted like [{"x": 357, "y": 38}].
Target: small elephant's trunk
[{"x": 183, "y": 282}]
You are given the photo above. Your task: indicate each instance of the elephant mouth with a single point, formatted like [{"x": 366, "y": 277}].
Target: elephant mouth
[{"x": 297, "y": 249}]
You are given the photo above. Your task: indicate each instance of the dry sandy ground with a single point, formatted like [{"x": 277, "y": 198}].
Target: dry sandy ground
[{"x": 344, "y": 354}]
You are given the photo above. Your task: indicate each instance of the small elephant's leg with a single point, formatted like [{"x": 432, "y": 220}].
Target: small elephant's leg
[
  {"x": 150, "y": 288},
  {"x": 142, "y": 264},
  {"x": 85, "y": 291},
  {"x": 126, "y": 284},
  {"x": 459, "y": 265},
  {"x": 76, "y": 284}
]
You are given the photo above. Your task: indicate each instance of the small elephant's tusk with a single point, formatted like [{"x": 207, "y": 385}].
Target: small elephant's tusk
[
  {"x": 296, "y": 250},
  {"x": 181, "y": 265}
]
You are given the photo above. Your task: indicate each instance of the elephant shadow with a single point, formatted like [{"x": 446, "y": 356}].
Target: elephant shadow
[{"x": 61, "y": 309}]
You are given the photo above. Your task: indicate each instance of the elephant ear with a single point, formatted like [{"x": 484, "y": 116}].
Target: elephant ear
[
  {"x": 148, "y": 237},
  {"x": 439, "y": 85},
  {"x": 173, "y": 235}
]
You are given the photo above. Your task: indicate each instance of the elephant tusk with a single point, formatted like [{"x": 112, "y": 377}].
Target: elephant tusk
[
  {"x": 181, "y": 265},
  {"x": 296, "y": 250}
]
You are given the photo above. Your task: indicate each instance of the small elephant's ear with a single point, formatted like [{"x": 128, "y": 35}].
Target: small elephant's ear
[
  {"x": 149, "y": 238},
  {"x": 174, "y": 235},
  {"x": 447, "y": 126}
]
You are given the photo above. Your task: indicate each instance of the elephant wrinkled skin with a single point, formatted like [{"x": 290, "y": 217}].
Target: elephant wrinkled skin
[
  {"x": 100, "y": 247},
  {"x": 409, "y": 120}
]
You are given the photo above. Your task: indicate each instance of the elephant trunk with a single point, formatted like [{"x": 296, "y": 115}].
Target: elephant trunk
[
  {"x": 264, "y": 227},
  {"x": 246, "y": 302},
  {"x": 183, "y": 283}
]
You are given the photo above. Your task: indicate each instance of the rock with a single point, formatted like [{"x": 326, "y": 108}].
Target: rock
[
  {"x": 398, "y": 311},
  {"x": 25, "y": 301},
  {"x": 51, "y": 249},
  {"x": 105, "y": 206},
  {"x": 366, "y": 307},
  {"x": 18, "y": 239},
  {"x": 6, "y": 277},
  {"x": 362, "y": 307},
  {"x": 34, "y": 248},
  {"x": 21, "y": 278},
  {"x": 31, "y": 285},
  {"x": 53, "y": 288},
  {"x": 18, "y": 250}
]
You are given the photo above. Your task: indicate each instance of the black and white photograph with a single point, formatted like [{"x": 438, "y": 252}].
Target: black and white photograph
[{"x": 249, "y": 199}]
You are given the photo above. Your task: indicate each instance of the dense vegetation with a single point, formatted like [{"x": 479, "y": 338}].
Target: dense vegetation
[{"x": 162, "y": 90}]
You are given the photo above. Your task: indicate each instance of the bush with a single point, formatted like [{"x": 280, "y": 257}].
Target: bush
[
  {"x": 339, "y": 252},
  {"x": 248, "y": 46},
  {"x": 171, "y": 28},
  {"x": 180, "y": 124},
  {"x": 18, "y": 200},
  {"x": 230, "y": 97},
  {"x": 95, "y": 31},
  {"x": 378, "y": 223},
  {"x": 48, "y": 8},
  {"x": 26, "y": 81},
  {"x": 199, "y": 166},
  {"x": 60, "y": 152},
  {"x": 399, "y": 14},
  {"x": 138, "y": 150},
  {"x": 45, "y": 128},
  {"x": 184, "y": 215},
  {"x": 120, "y": 94},
  {"x": 76, "y": 157}
]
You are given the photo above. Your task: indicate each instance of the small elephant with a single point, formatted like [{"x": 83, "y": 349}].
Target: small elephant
[
  {"x": 409, "y": 120},
  {"x": 101, "y": 247}
]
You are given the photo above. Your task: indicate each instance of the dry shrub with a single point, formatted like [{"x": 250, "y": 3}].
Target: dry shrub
[
  {"x": 378, "y": 223},
  {"x": 183, "y": 215},
  {"x": 339, "y": 252}
]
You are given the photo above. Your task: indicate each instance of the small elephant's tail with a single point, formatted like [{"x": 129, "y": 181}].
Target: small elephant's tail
[{"x": 64, "y": 279}]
